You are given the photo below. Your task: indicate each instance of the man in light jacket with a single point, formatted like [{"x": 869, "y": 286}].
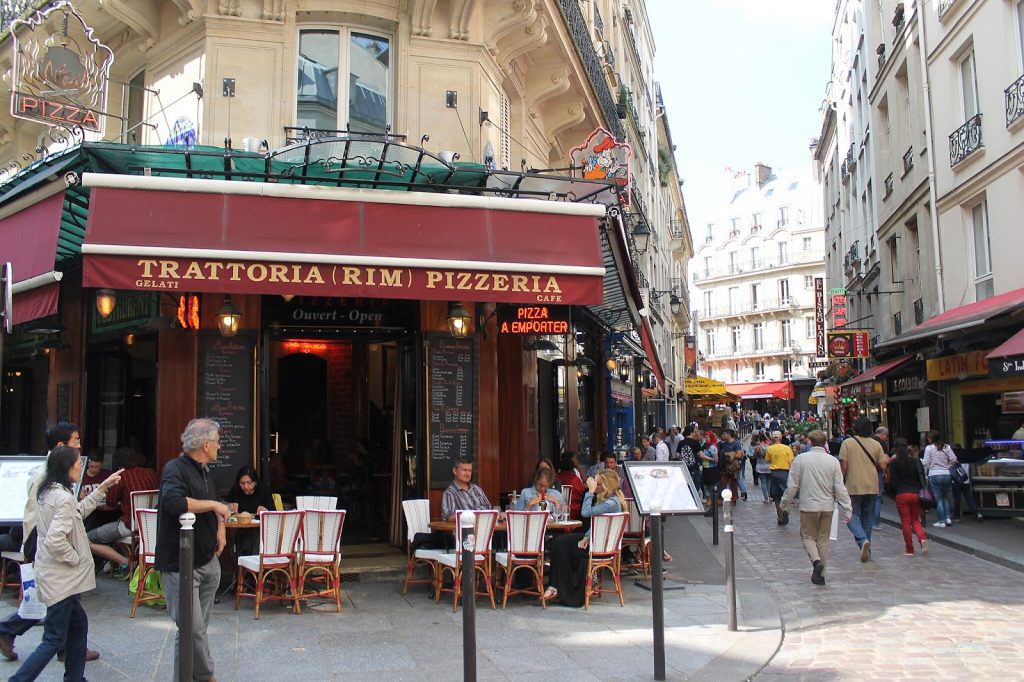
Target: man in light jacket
[{"x": 818, "y": 478}]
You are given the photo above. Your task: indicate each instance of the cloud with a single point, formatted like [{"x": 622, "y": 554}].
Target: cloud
[{"x": 798, "y": 14}]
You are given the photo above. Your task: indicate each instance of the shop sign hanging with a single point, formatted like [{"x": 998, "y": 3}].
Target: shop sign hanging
[
  {"x": 132, "y": 309},
  {"x": 60, "y": 70},
  {"x": 839, "y": 318},
  {"x": 848, "y": 344},
  {"x": 819, "y": 318},
  {"x": 330, "y": 312},
  {"x": 959, "y": 366},
  {"x": 1006, "y": 367},
  {"x": 602, "y": 158}
]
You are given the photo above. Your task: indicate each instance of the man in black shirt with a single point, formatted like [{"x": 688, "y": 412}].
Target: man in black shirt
[{"x": 187, "y": 486}]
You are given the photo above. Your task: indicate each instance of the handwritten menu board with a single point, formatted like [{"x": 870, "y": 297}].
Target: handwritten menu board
[
  {"x": 452, "y": 368},
  {"x": 226, "y": 396}
]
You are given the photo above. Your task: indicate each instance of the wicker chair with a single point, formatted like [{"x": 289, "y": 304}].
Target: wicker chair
[
  {"x": 303, "y": 502},
  {"x": 605, "y": 552},
  {"x": 140, "y": 499},
  {"x": 145, "y": 524},
  {"x": 525, "y": 551},
  {"x": 417, "y": 520},
  {"x": 320, "y": 557},
  {"x": 636, "y": 536},
  {"x": 279, "y": 533},
  {"x": 483, "y": 531}
]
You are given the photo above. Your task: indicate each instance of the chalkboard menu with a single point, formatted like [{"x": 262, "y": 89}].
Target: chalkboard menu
[
  {"x": 226, "y": 396},
  {"x": 452, "y": 404}
]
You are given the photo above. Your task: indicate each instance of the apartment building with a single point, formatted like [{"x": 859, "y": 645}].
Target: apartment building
[{"x": 753, "y": 273}]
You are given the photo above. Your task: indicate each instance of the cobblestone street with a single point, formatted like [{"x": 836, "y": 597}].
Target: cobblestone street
[{"x": 945, "y": 615}]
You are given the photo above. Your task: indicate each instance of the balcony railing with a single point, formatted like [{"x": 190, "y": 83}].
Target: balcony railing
[
  {"x": 898, "y": 18},
  {"x": 675, "y": 228},
  {"x": 799, "y": 258},
  {"x": 1014, "y": 101},
  {"x": 908, "y": 161},
  {"x": 851, "y": 156},
  {"x": 743, "y": 308},
  {"x": 880, "y": 51},
  {"x": 750, "y": 350},
  {"x": 944, "y": 7},
  {"x": 888, "y": 187},
  {"x": 754, "y": 229},
  {"x": 965, "y": 140},
  {"x": 581, "y": 38}
]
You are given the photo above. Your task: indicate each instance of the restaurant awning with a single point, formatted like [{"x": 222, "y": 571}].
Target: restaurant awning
[
  {"x": 1013, "y": 346},
  {"x": 962, "y": 317},
  {"x": 877, "y": 371},
  {"x": 29, "y": 233},
  {"x": 704, "y": 386},
  {"x": 155, "y": 233},
  {"x": 651, "y": 351},
  {"x": 764, "y": 389}
]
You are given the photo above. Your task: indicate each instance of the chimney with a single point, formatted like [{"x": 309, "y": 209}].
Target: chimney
[{"x": 763, "y": 174}]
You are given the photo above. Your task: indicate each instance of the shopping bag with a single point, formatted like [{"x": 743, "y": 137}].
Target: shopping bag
[
  {"x": 833, "y": 532},
  {"x": 154, "y": 585},
  {"x": 31, "y": 608}
]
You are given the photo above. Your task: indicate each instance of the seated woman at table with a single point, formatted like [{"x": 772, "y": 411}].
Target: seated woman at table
[
  {"x": 249, "y": 495},
  {"x": 569, "y": 553},
  {"x": 540, "y": 496},
  {"x": 546, "y": 463},
  {"x": 569, "y": 477}
]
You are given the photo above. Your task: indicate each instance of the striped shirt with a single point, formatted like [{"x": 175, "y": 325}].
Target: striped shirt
[{"x": 455, "y": 498}]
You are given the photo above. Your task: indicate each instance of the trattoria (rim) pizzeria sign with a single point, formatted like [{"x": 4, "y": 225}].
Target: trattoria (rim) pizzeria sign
[
  {"x": 316, "y": 279},
  {"x": 60, "y": 70}
]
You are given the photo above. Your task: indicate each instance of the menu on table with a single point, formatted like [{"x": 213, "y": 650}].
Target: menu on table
[
  {"x": 226, "y": 372},
  {"x": 452, "y": 372}
]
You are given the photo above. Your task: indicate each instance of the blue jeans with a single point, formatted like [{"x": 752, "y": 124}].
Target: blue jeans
[
  {"x": 15, "y": 626},
  {"x": 940, "y": 485},
  {"x": 765, "y": 480},
  {"x": 741, "y": 477},
  {"x": 863, "y": 515},
  {"x": 66, "y": 626},
  {"x": 964, "y": 492},
  {"x": 877, "y": 520}
]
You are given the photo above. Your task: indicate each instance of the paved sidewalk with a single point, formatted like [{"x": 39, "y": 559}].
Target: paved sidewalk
[{"x": 382, "y": 635}]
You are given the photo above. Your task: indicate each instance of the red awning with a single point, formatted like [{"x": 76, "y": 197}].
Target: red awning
[
  {"x": 150, "y": 233},
  {"x": 963, "y": 317},
  {"x": 1013, "y": 346},
  {"x": 763, "y": 389},
  {"x": 652, "y": 353},
  {"x": 873, "y": 373},
  {"x": 29, "y": 239}
]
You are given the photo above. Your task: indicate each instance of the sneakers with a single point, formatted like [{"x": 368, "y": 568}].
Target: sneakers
[
  {"x": 877, "y": 527},
  {"x": 924, "y": 546},
  {"x": 782, "y": 516},
  {"x": 7, "y": 648},
  {"x": 949, "y": 522},
  {"x": 743, "y": 496},
  {"x": 120, "y": 572},
  {"x": 865, "y": 551},
  {"x": 908, "y": 554},
  {"x": 979, "y": 516},
  {"x": 817, "y": 575},
  {"x": 939, "y": 524}
]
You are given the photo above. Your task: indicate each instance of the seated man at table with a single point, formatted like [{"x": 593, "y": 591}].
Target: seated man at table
[
  {"x": 135, "y": 477},
  {"x": 462, "y": 493},
  {"x": 541, "y": 496}
]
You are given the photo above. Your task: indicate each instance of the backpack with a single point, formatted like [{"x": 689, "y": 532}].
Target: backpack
[{"x": 685, "y": 454}]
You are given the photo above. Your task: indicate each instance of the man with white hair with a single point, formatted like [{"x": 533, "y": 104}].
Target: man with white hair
[{"x": 187, "y": 486}]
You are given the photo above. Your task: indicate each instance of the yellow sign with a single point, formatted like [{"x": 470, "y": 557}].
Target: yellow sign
[
  {"x": 959, "y": 366},
  {"x": 703, "y": 386},
  {"x": 992, "y": 386}
]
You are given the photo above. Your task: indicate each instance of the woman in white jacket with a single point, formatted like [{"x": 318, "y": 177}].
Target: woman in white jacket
[{"x": 63, "y": 566}]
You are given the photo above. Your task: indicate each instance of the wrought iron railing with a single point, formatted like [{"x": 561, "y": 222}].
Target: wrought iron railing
[
  {"x": 1014, "y": 101},
  {"x": 965, "y": 140},
  {"x": 908, "y": 161},
  {"x": 851, "y": 156},
  {"x": 744, "y": 308},
  {"x": 944, "y": 7},
  {"x": 898, "y": 18},
  {"x": 580, "y": 33},
  {"x": 919, "y": 311},
  {"x": 675, "y": 228},
  {"x": 799, "y": 258},
  {"x": 598, "y": 21},
  {"x": 15, "y": 9},
  {"x": 880, "y": 51},
  {"x": 888, "y": 187}
]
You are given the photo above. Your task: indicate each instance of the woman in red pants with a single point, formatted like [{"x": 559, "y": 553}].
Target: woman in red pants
[{"x": 905, "y": 479}]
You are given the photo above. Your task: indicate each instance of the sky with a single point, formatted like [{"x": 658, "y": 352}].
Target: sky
[{"x": 742, "y": 82}]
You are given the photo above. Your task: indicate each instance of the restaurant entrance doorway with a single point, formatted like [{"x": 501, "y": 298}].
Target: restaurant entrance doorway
[{"x": 331, "y": 423}]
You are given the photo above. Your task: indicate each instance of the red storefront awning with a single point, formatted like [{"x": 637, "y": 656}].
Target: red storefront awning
[
  {"x": 963, "y": 317},
  {"x": 162, "y": 234},
  {"x": 29, "y": 239},
  {"x": 763, "y": 389},
  {"x": 652, "y": 353},
  {"x": 878, "y": 370},
  {"x": 1011, "y": 347}
]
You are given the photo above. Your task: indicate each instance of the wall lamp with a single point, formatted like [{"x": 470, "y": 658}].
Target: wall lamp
[
  {"x": 458, "y": 320},
  {"x": 543, "y": 345},
  {"x": 106, "y": 299},
  {"x": 674, "y": 303},
  {"x": 641, "y": 236},
  {"x": 228, "y": 317}
]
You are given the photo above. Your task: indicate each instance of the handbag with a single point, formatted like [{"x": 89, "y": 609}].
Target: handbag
[
  {"x": 30, "y": 608},
  {"x": 958, "y": 475},
  {"x": 925, "y": 496}
]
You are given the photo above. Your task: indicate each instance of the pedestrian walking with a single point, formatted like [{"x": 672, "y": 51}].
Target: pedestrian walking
[
  {"x": 861, "y": 458},
  {"x": 938, "y": 459},
  {"x": 187, "y": 486},
  {"x": 882, "y": 436},
  {"x": 762, "y": 470},
  {"x": 905, "y": 476},
  {"x": 779, "y": 458},
  {"x": 817, "y": 477},
  {"x": 63, "y": 564},
  {"x": 730, "y": 461}
]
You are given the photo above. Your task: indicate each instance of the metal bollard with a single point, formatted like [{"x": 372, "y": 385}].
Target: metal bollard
[
  {"x": 657, "y": 595},
  {"x": 730, "y": 559},
  {"x": 468, "y": 521},
  {"x": 714, "y": 518},
  {"x": 185, "y": 578}
]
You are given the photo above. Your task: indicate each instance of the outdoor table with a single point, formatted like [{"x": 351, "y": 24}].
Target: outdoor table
[
  {"x": 229, "y": 557},
  {"x": 449, "y": 526}
]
